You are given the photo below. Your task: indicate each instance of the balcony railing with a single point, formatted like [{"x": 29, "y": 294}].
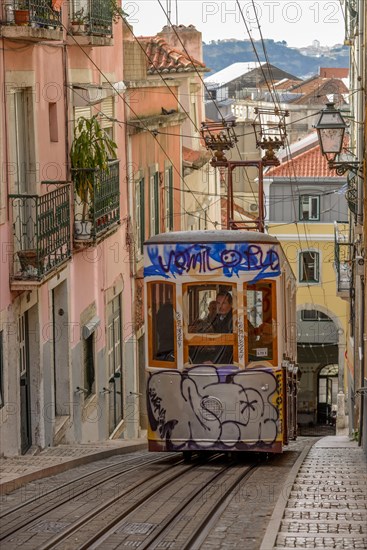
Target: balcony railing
[
  {"x": 95, "y": 216},
  {"x": 91, "y": 17},
  {"x": 31, "y": 13},
  {"x": 343, "y": 258},
  {"x": 41, "y": 228}
]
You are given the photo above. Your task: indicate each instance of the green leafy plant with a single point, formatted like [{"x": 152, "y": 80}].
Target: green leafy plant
[
  {"x": 78, "y": 17},
  {"x": 91, "y": 150}
]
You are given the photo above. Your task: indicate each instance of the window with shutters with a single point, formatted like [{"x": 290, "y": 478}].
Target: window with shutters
[
  {"x": 140, "y": 216},
  {"x": 168, "y": 187},
  {"x": 81, "y": 112},
  {"x": 154, "y": 204},
  {"x": 309, "y": 208},
  {"x": 107, "y": 108}
]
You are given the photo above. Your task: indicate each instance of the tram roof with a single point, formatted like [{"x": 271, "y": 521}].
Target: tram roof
[{"x": 228, "y": 236}]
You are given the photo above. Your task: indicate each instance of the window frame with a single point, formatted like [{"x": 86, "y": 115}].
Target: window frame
[
  {"x": 89, "y": 374},
  {"x": 208, "y": 338},
  {"x": 310, "y": 197},
  {"x": 317, "y": 316},
  {"x": 274, "y": 320},
  {"x": 317, "y": 280},
  {"x": 154, "y": 204},
  {"x": 140, "y": 215},
  {"x": 168, "y": 184},
  {"x": 155, "y": 362}
]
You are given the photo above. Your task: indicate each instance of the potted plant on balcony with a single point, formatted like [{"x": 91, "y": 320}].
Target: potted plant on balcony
[
  {"x": 91, "y": 150},
  {"x": 22, "y": 14},
  {"x": 78, "y": 22}
]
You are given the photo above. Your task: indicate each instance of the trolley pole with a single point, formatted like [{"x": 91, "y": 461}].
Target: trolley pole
[{"x": 270, "y": 136}]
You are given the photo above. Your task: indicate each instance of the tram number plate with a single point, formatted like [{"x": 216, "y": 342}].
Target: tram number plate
[{"x": 261, "y": 352}]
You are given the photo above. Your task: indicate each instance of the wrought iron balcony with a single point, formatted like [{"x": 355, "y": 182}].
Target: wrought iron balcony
[
  {"x": 91, "y": 17},
  {"x": 343, "y": 259},
  {"x": 97, "y": 207},
  {"x": 31, "y": 19},
  {"x": 41, "y": 228}
]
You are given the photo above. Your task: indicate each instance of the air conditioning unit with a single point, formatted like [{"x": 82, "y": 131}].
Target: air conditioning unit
[
  {"x": 254, "y": 207},
  {"x": 359, "y": 266}
]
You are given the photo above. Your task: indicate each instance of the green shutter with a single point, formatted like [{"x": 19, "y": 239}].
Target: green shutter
[
  {"x": 156, "y": 202},
  {"x": 170, "y": 197},
  {"x": 142, "y": 213}
]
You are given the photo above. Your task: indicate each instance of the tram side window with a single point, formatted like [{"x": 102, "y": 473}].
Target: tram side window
[
  {"x": 260, "y": 322},
  {"x": 162, "y": 330}
]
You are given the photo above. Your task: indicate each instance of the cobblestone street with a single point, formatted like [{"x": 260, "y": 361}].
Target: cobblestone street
[{"x": 327, "y": 503}]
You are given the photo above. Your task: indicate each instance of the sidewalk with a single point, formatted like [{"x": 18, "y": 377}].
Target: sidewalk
[
  {"x": 19, "y": 470},
  {"x": 324, "y": 502}
]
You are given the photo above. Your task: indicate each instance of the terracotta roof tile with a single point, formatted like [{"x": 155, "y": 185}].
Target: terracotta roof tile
[
  {"x": 309, "y": 164},
  {"x": 165, "y": 59},
  {"x": 334, "y": 72},
  {"x": 317, "y": 89},
  {"x": 196, "y": 158}
]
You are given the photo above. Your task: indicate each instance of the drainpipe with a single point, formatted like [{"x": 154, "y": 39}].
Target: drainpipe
[{"x": 359, "y": 345}]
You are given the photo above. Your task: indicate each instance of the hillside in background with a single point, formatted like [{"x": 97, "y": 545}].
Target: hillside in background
[{"x": 221, "y": 53}]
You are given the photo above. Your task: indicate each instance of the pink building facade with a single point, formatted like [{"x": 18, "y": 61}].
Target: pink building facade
[{"x": 68, "y": 359}]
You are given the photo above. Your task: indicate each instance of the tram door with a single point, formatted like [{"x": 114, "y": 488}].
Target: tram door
[
  {"x": 115, "y": 382},
  {"x": 25, "y": 398}
]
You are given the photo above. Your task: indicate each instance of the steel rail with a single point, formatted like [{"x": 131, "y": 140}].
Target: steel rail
[
  {"x": 29, "y": 516},
  {"x": 76, "y": 480},
  {"x": 140, "y": 497}
]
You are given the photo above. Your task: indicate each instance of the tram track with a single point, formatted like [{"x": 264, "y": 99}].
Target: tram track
[
  {"x": 20, "y": 516},
  {"x": 183, "y": 526},
  {"x": 90, "y": 475},
  {"x": 81, "y": 533},
  {"x": 159, "y": 506}
]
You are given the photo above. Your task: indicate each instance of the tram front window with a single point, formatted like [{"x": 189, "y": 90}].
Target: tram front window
[
  {"x": 210, "y": 322},
  {"x": 162, "y": 325}
]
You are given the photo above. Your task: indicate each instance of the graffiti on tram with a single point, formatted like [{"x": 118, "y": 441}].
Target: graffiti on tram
[
  {"x": 259, "y": 260},
  {"x": 223, "y": 407}
]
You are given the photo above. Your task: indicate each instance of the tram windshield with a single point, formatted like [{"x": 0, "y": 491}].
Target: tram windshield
[
  {"x": 215, "y": 326},
  {"x": 210, "y": 323}
]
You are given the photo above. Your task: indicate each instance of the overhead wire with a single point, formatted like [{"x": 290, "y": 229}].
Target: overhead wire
[
  {"x": 136, "y": 115},
  {"x": 205, "y": 87},
  {"x": 277, "y": 106}
]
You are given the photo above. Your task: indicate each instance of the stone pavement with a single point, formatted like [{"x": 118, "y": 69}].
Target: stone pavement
[
  {"x": 19, "y": 470},
  {"x": 326, "y": 500}
]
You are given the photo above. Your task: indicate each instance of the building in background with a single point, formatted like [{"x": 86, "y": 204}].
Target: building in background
[
  {"x": 355, "y": 37},
  {"x": 303, "y": 202},
  {"x": 171, "y": 183}
]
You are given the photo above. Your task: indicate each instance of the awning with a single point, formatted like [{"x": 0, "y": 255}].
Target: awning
[
  {"x": 91, "y": 94},
  {"x": 91, "y": 326}
]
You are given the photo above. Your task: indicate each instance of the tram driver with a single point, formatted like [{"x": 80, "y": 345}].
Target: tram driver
[{"x": 221, "y": 323}]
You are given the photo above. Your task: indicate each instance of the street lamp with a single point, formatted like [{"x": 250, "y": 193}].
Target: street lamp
[{"x": 331, "y": 128}]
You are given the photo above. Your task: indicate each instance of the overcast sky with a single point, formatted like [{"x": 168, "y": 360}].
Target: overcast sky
[{"x": 297, "y": 22}]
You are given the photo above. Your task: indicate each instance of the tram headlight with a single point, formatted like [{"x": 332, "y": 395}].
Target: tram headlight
[{"x": 211, "y": 408}]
